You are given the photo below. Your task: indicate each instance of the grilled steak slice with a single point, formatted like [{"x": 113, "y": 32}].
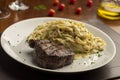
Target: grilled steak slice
[{"x": 51, "y": 55}]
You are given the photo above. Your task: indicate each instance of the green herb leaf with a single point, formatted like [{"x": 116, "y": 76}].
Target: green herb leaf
[
  {"x": 40, "y": 7},
  {"x": 99, "y": 55},
  {"x": 92, "y": 62},
  {"x": 36, "y": 8}
]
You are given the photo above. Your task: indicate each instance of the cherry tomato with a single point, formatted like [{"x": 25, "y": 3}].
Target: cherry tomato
[
  {"x": 89, "y": 3},
  {"x": 78, "y": 10},
  {"x": 56, "y": 2},
  {"x": 51, "y": 12},
  {"x": 61, "y": 6},
  {"x": 72, "y": 1}
]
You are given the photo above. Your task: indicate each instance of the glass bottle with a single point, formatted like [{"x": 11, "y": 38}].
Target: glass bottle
[{"x": 109, "y": 9}]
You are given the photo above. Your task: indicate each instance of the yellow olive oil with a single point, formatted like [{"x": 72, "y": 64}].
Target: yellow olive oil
[{"x": 109, "y": 10}]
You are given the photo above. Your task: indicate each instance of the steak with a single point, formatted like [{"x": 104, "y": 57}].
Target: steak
[
  {"x": 51, "y": 55},
  {"x": 32, "y": 43}
]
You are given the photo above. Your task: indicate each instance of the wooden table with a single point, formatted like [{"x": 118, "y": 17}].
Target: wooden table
[
  {"x": 69, "y": 12},
  {"x": 88, "y": 15}
]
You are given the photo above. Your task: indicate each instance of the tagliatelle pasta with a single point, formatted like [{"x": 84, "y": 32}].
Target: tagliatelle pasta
[{"x": 72, "y": 34}]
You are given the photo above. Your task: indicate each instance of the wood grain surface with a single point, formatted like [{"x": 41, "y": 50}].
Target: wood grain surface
[{"x": 69, "y": 12}]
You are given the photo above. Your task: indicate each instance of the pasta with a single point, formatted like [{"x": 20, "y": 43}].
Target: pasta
[{"x": 71, "y": 34}]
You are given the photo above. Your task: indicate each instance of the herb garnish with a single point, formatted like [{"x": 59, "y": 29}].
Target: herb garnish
[
  {"x": 20, "y": 52},
  {"x": 40, "y": 7},
  {"x": 92, "y": 62},
  {"x": 9, "y": 43},
  {"x": 99, "y": 55}
]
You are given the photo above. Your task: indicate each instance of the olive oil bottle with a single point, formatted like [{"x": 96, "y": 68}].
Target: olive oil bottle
[{"x": 109, "y": 9}]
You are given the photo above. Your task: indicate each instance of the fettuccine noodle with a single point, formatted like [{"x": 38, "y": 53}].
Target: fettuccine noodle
[{"x": 72, "y": 34}]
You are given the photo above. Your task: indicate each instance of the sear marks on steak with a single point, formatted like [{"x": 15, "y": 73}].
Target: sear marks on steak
[{"x": 51, "y": 55}]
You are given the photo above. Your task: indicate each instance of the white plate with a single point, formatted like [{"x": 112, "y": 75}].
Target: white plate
[{"x": 13, "y": 42}]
